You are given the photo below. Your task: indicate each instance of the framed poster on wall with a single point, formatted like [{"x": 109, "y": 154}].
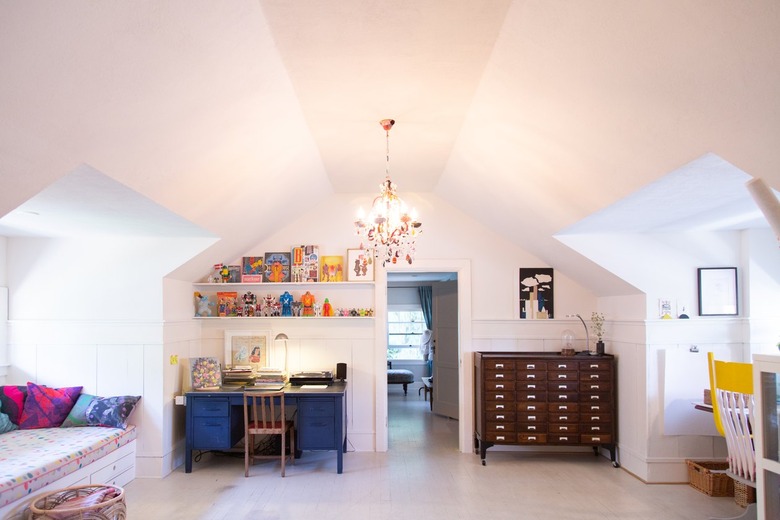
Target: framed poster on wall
[
  {"x": 248, "y": 348},
  {"x": 718, "y": 291}
]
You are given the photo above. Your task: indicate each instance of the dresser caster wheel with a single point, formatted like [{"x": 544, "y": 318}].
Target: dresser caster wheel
[
  {"x": 484, "y": 463},
  {"x": 615, "y": 464}
]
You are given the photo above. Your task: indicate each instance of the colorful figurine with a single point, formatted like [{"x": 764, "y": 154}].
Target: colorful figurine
[
  {"x": 286, "y": 300},
  {"x": 250, "y": 301},
  {"x": 327, "y": 310},
  {"x": 203, "y": 305},
  {"x": 224, "y": 272},
  {"x": 307, "y": 300}
]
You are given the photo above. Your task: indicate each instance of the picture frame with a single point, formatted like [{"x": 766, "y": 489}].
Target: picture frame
[
  {"x": 536, "y": 293},
  {"x": 360, "y": 265},
  {"x": 718, "y": 291},
  {"x": 248, "y": 348}
]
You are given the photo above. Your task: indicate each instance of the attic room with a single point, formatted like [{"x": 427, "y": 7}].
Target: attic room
[{"x": 142, "y": 143}]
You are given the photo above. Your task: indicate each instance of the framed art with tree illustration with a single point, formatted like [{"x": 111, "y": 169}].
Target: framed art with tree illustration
[
  {"x": 360, "y": 265},
  {"x": 248, "y": 348},
  {"x": 718, "y": 291}
]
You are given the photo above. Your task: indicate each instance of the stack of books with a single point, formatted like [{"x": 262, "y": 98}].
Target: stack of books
[
  {"x": 270, "y": 375},
  {"x": 238, "y": 375}
]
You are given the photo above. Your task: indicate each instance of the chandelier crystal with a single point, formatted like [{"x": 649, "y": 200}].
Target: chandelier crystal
[{"x": 390, "y": 229}]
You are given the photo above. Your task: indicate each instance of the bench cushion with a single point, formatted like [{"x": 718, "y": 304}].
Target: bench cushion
[{"x": 399, "y": 376}]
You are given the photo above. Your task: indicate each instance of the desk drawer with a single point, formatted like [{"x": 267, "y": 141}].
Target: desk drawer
[
  {"x": 316, "y": 433},
  {"x": 211, "y": 433},
  {"x": 210, "y": 407},
  {"x": 313, "y": 407}
]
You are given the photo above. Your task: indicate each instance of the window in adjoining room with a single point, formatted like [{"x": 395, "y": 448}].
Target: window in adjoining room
[{"x": 405, "y": 325}]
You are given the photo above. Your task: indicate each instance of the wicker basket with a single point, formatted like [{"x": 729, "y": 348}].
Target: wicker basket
[
  {"x": 703, "y": 478},
  {"x": 54, "y": 507},
  {"x": 744, "y": 494}
]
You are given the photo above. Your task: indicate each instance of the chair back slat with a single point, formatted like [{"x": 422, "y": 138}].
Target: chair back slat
[{"x": 260, "y": 411}]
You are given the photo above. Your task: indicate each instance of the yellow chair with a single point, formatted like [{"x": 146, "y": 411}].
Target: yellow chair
[
  {"x": 731, "y": 387},
  {"x": 264, "y": 414}
]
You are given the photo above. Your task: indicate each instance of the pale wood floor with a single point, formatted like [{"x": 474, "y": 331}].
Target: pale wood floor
[{"x": 421, "y": 477}]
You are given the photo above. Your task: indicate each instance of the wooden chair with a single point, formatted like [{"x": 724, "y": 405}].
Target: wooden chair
[
  {"x": 264, "y": 414},
  {"x": 733, "y": 406}
]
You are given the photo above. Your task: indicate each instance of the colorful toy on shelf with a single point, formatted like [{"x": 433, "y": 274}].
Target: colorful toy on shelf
[
  {"x": 307, "y": 301},
  {"x": 224, "y": 273},
  {"x": 216, "y": 275},
  {"x": 250, "y": 303},
  {"x": 327, "y": 309},
  {"x": 286, "y": 300},
  {"x": 203, "y": 304}
]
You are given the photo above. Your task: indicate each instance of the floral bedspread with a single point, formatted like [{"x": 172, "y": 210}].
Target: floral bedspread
[{"x": 32, "y": 459}]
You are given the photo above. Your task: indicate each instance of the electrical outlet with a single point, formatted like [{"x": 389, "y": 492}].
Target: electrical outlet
[{"x": 179, "y": 399}]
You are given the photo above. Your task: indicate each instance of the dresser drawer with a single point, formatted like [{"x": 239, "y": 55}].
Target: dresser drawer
[
  {"x": 596, "y": 407},
  {"x": 499, "y": 406},
  {"x": 531, "y": 427},
  {"x": 109, "y": 472},
  {"x": 595, "y": 439},
  {"x": 562, "y": 397},
  {"x": 503, "y": 426},
  {"x": 499, "y": 364},
  {"x": 499, "y": 438},
  {"x": 561, "y": 406},
  {"x": 532, "y": 386},
  {"x": 531, "y": 407},
  {"x": 499, "y": 375},
  {"x": 564, "y": 428},
  {"x": 596, "y": 386},
  {"x": 508, "y": 396},
  {"x": 531, "y": 417},
  {"x": 572, "y": 418},
  {"x": 595, "y": 397},
  {"x": 531, "y": 375},
  {"x": 210, "y": 407},
  {"x": 499, "y": 385},
  {"x": 563, "y": 386},
  {"x": 532, "y": 438},
  {"x": 563, "y": 376},
  {"x": 563, "y": 438},
  {"x": 500, "y": 416},
  {"x": 595, "y": 376},
  {"x": 569, "y": 364},
  {"x": 532, "y": 396},
  {"x": 592, "y": 418},
  {"x": 601, "y": 365},
  {"x": 596, "y": 429},
  {"x": 531, "y": 365}
]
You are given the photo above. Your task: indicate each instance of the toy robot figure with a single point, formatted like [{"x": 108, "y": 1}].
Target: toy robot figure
[
  {"x": 250, "y": 300},
  {"x": 307, "y": 300},
  {"x": 286, "y": 300}
]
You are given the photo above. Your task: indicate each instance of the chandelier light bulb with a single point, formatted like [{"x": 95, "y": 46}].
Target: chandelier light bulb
[{"x": 390, "y": 229}]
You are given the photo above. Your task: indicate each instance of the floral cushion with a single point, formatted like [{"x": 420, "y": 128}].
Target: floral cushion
[
  {"x": 12, "y": 401},
  {"x": 78, "y": 414},
  {"x": 111, "y": 411},
  {"x": 47, "y": 407}
]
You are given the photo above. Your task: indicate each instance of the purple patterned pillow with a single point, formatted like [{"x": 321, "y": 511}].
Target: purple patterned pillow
[
  {"x": 12, "y": 399},
  {"x": 47, "y": 407},
  {"x": 111, "y": 411}
]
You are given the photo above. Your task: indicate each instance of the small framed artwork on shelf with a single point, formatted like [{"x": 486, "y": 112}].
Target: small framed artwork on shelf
[
  {"x": 245, "y": 348},
  {"x": 332, "y": 268},
  {"x": 718, "y": 291},
  {"x": 360, "y": 265},
  {"x": 277, "y": 267},
  {"x": 252, "y": 269}
]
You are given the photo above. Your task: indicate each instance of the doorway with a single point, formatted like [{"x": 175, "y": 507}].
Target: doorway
[
  {"x": 465, "y": 423},
  {"x": 426, "y": 300}
]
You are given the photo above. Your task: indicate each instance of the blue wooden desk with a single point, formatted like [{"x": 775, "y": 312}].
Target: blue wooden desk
[{"x": 215, "y": 419}]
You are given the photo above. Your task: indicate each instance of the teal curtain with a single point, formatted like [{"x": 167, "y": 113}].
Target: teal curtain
[{"x": 426, "y": 302}]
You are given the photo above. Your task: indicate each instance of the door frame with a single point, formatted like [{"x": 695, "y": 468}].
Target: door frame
[{"x": 466, "y": 362}]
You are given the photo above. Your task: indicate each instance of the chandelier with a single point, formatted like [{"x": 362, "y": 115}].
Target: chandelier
[{"x": 390, "y": 228}]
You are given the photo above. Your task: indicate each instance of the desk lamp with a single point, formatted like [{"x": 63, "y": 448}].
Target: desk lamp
[{"x": 283, "y": 336}]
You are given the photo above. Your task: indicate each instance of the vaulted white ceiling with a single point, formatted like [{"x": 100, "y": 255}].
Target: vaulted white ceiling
[{"x": 561, "y": 108}]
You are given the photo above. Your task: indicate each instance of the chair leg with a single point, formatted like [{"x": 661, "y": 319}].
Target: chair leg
[
  {"x": 751, "y": 513},
  {"x": 284, "y": 455},
  {"x": 247, "y": 444}
]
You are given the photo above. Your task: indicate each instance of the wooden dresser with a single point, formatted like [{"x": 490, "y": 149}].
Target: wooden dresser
[{"x": 543, "y": 398}]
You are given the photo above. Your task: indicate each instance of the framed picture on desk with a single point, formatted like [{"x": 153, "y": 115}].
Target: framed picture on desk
[{"x": 248, "y": 348}]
